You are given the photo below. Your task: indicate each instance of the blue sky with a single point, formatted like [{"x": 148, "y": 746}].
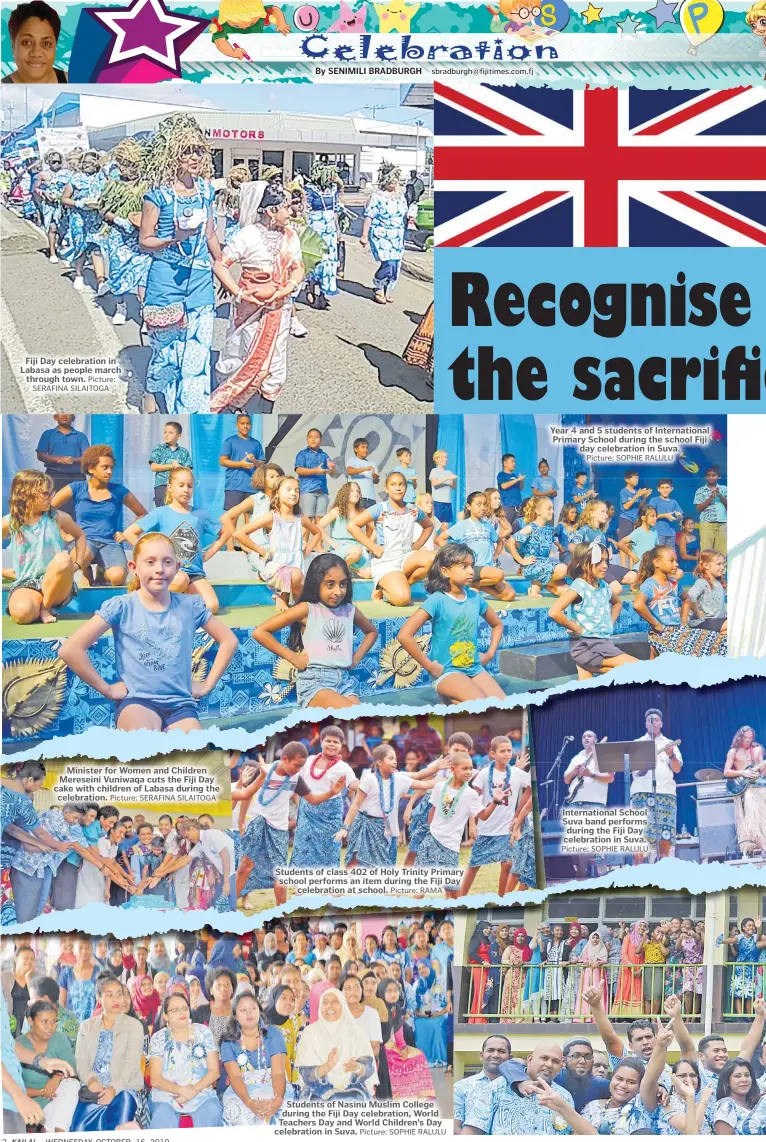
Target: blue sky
[{"x": 366, "y": 100}]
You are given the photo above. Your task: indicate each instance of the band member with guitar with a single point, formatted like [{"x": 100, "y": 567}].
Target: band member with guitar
[
  {"x": 745, "y": 773},
  {"x": 657, "y": 793},
  {"x": 588, "y": 787}
]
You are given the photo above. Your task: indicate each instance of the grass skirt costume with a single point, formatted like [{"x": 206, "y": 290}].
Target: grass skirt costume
[
  {"x": 419, "y": 823},
  {"x": 367, "y": 842},
  {"x": 490, "y": 850},
  {"x": 313, "y": 844},
  {"x": 267, "y": 849},
  {"x": 661, "y": 815},
  {"x": 180, "y": 304},
  {"x": 750, "y": 817}
]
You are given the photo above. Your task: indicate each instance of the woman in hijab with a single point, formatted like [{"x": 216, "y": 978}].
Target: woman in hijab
[
  {"x": 408, "y": 1072},
  {"x": 200, "y": 1008},
  {"x": 629, "y": 997},
  {"x": 349, "y": 949},
  {"x": 576, "y": 941},
  {"x": 159, "y": 960},
  {"x": 270, "y": 953},
  {"x": 335, "y": 1058},
  {"x": 253, "y": 361},
  {"x": 594, "y": 958},
  {"x": 282, "y": 1012},
  {"x": 431, "y": 1015},
  {"x": 222, "y": 955},
  {"x": 146, "y": 1001},
  {"x": 483, "y": 986},
  {"x": 516, "y": 955}
]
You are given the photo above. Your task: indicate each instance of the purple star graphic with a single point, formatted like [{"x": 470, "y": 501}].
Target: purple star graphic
[
  {"x": 663, "y": 12},
  {"x": 149, "y": 30}
]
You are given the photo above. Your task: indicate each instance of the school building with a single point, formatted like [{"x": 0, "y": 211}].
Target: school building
[{"x": 605, "y": 907}]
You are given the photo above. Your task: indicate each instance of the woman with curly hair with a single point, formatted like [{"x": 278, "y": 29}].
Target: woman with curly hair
[
  {"x": 346, "y": 507},
  {"x": 121, "y": 206},
  {"x": 178, "y": 230},
  {"x": 745, "y": 773},
  {"x": 43, "y": 569}
]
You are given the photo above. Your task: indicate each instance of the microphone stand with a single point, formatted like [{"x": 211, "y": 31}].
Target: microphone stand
[{"x": 553, "y": 776}]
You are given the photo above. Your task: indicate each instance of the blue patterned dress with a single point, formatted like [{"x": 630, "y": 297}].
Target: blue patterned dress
[
  {"x": 535, "y": 541},
  {"x": 15, "y": 809},
  {"x": 313, "y": 844},
  {"x": 84, "y": 222},
  {"x": 323, "y": 218},
  {"x": 80, "y": 993},
  {"x": 128, "y": 264},
  {"x": 626, "y": 1119},
  {"x": 387, "y": 212},
  {"x": 51, "y": 202},
  {"x": 180, "y": 303},
  {"x": 743, "y": 978},
  {"x": 523, "y": 862},
  {"x": 730, "y": 1112}
]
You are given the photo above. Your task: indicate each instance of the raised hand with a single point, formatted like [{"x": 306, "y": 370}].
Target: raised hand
[
  {"x": 592, "y": 996},
  {"x": 665, "y": 1035},
  {"x": 672, "y": 1006}
]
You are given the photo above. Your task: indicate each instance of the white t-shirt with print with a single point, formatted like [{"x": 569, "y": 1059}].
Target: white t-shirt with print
[
  {"x": 213, "y": 842},
  {"x": 501, "y": 819},
  {"x": 448, "y": 831}
]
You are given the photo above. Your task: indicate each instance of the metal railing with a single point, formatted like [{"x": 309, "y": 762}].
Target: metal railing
[
  {"x": 742, "y": 983},
  {"x": 536, "y": 993}
]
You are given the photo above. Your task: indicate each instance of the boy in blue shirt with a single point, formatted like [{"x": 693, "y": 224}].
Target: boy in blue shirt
[
  {"x": 510, "y": 487},
  {"x": 631, "y": 499},
  {"x": 165, "y": 457},
  {"x": 239, "y": 456},
  {"x": 404, "y": 456},
  {"x": 312, "y": 467},
  {"x": 363, "y": 472},
  {"x": 669, "y": 514},
  {"x": 60, "y": 450},
  {"x": 582, "y": 490},
  {"x": 711, "y": 501}
]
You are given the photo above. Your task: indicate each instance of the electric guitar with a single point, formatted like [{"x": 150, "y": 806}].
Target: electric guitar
[{"x": 576, "y": 785}]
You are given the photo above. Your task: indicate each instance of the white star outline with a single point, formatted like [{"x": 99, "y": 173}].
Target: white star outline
[{"x": 114, "y": 22}]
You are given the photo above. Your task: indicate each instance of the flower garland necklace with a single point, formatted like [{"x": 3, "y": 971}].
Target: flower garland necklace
[
  {"x": 448, "y": 810},
  {"x": 312, "y": 766},
  {"x": 490, "y": 789},
  {"x": 261, "y": 1059},
  {"x": 283, "y": 785},
  {"x": 387, "y": 810}
]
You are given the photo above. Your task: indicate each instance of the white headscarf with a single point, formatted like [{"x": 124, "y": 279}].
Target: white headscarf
[
  {"x": 250, "y": 197},
  {"x": 344, "y": 1034}
]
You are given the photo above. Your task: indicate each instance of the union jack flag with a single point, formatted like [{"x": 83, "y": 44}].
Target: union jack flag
[{"x": 604, "y": 167}]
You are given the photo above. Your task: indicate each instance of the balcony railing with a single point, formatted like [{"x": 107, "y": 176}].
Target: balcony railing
[
  {"x": 536, "y": 993},
  {"x": 742, "y": 983}
]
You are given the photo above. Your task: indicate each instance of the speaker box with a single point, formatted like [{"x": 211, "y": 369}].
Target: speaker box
[
  {"x": 717, "y": 831},
  {"x": 560, "y": 867}
]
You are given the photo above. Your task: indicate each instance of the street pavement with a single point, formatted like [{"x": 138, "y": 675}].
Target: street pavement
[{"x": 350, "y": 360}]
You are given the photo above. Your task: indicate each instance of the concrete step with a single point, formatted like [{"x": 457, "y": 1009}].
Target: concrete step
[{"x": 550, "y": 660}]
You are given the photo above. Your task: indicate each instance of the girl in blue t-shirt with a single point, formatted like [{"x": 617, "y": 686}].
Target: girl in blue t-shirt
[
  {"x": 188, "y": 529},
  {"x": 455, "y": 663},
  {"x": 153, "y": 631},
  {"x": 589, "y": 609},
  {"x": 565, "y": 529},
  {"x": 658, "y": 604},
  {"x": 483, "y": 538},
  {"x": 688, "y": 544}
]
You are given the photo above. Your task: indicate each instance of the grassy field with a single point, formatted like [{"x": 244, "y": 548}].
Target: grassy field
[{"x": 486, "y": 881}]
